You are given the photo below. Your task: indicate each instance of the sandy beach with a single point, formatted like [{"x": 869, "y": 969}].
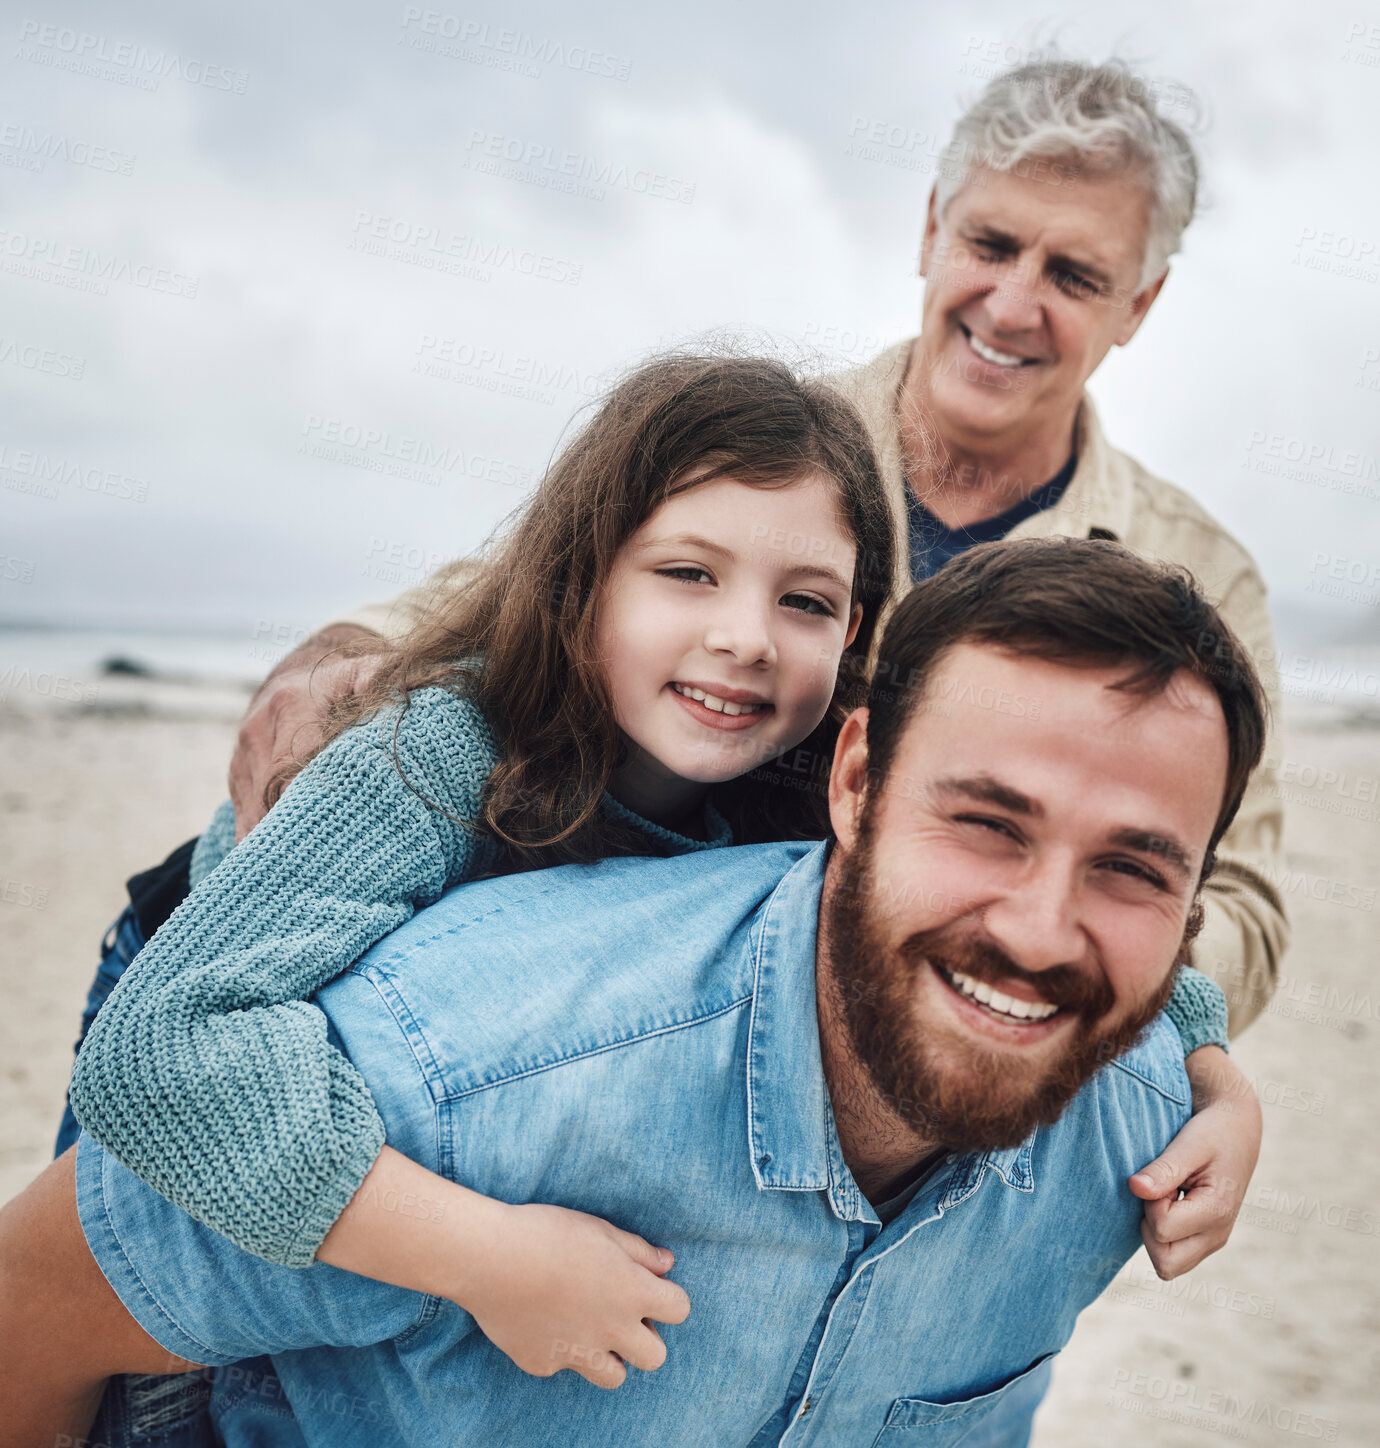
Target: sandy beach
[{"x": 1274, "y": 1340}]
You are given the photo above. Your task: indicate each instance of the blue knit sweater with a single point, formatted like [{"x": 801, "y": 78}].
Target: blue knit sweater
[{"x": 208, "y": 1072}]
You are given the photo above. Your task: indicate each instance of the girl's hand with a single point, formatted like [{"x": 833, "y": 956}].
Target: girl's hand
[
  {"x": 561, "y": 1289},
  {"x": 550, "y": 1287},
  {"x": 1211, "y": 1160}
]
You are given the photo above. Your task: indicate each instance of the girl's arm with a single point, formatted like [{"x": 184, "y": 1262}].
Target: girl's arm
[
  {"x": 208, "y": 1072},
  {"x": 1212, "y": 1158},
  {"x": 1199, "y": 1011},
  {"x": 550, "y": 1287}
]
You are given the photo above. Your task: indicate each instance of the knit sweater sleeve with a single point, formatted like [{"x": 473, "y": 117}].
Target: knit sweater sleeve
[
  {"x": 1199, "y": 1010},
  {"x": 208, "y": 1072}
]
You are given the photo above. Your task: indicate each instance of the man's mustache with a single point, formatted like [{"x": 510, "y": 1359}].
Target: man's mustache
[{"x": 1065, "y": 986}]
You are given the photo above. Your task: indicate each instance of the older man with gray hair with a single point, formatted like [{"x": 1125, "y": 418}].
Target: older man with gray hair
[{"x": 1060, "y": 199}]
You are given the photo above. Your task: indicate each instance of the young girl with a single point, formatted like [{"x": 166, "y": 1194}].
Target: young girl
[
  {"x": 691, "y": 593},
  {"x": 689, "y": 597}
]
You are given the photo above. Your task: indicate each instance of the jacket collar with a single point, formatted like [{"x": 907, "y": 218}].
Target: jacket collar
[
  {"x": 792, "y": 1138},
  {"x": 1097, "y": 502},
  {"x": 1098, "y": 499}
]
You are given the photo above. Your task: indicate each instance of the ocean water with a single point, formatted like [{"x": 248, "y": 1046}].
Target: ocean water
[
  {"x": 1339, "y": 682},
  {"x": 84, "y": 656}
]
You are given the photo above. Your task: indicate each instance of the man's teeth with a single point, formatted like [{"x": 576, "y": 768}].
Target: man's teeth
[
  {"x": 995, "y": 1000},
  {"x": 990, "y": 354},
  {"x": 712, "y": 701}
]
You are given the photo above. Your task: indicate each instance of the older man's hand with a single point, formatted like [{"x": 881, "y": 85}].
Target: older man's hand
[
  {"x": 1210, "y": 1160},
  {"x": 285, "y": 718}
]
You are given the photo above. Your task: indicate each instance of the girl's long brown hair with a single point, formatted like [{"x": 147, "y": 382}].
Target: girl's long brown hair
[{"x": 520, "y": 636}]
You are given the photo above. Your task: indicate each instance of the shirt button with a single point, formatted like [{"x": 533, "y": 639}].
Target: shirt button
[{"x": 806, "y": 1406}]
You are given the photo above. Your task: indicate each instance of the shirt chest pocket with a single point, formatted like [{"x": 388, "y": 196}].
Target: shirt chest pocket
[{"x": 998, "y": 1419}]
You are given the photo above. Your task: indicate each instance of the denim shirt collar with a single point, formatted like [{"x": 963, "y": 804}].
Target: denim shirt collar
[
  {"x": 1013, "y": 1165},
  {"x": 791, "y": 1132},
  {"x": 789, "y": 1119}
]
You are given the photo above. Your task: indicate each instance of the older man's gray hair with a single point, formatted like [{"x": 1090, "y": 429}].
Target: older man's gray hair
[{"x": 1096, "y": 118}]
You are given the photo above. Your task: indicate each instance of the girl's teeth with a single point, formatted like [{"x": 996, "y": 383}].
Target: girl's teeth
[
  {"x": 999, "y": 1001},
  {"x": 712, "y": 701}
]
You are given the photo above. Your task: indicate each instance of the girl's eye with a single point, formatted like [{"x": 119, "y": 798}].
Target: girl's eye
[
  {"x": 686, "y": 574},
  {"x": 808, "y": 603}
]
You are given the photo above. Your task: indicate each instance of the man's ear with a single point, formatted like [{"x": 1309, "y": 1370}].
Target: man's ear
[
  {"x": 1194, "y": 923},
  {"x": 931, "y": 230},
  {"x": 1135, "y": 313},
  {"x": 848, "y": 778}
]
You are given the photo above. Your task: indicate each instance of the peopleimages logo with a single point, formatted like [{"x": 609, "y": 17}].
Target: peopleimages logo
[
  {"x": 87, "y": 268},
  {"x": 48, "y": 686},
  {"x": 1211, "y": 1410},
  {"x": 414, "y": 459},
  {"x": 455, "y": 252},
  {"x": 16, "y": 570},
  {"x": 1319, "y": 464},
  {"x": 84, "y": 53},
  {"x": 33, "y": 148},
  {"x": 501, "y": 48},
  {"x": 30, "y": 470},
  {"x": 493, "y": 369},
  {"x": 539, "y": 163},
  {"x": 35, "y": 358}
]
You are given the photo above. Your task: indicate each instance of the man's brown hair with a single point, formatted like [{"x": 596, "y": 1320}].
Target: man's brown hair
[{"x": 1076, "y": 601}]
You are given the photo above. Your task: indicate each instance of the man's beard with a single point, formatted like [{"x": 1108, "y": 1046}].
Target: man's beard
[{"x": 976, "y": 1100}]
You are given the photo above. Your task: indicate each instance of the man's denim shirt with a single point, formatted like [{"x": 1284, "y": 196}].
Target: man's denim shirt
[{"x": 638, "y": 1039}]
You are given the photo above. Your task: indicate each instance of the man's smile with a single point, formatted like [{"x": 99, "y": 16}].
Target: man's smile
[
  {"x": 998, "y": 1014},
  {"x": 994, "y": 356},
  {"x": 997, "y": 1001}
]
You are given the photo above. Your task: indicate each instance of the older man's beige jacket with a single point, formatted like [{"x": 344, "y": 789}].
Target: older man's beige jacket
[{"x": 1109, "y": 496}]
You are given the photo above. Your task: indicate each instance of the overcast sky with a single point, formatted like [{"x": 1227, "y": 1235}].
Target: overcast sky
[{"x": 259, "y": 264}]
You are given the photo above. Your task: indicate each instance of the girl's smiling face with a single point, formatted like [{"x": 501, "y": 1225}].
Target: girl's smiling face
[{"x": 720, "y": 630}]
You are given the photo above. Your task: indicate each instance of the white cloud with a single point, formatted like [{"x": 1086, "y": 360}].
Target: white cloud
[{"x": 259, "y": 197}]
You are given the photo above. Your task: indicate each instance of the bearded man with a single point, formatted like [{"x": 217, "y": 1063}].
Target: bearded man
[{"x": 880, "y": 1095}]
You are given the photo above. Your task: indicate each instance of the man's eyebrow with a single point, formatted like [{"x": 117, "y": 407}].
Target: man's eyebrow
[
  {"x": 995, "y": 235},
  {"x": 707, "y": 545},
  {"x": 1164, "y": 848},
  {"x": 985, "y": 788}
]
